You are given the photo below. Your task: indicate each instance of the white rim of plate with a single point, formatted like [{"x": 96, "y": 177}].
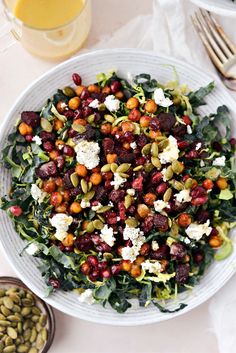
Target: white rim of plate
[{"x": 216, "y": 8}]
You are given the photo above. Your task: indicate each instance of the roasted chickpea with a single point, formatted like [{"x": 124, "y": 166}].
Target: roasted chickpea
[
  {"x": 56, "y": 198},
  {"x": 61, "y": 208},
  {"x": 74, "y": 103},
  {"x": 84, "y": 224},
  {"x": 25, "y": 129},
  {"x": 57, "y": 124},
  {"x": 134, "y": 115},
  {"x": 54, "y": 154},
  {"x": 150, "y": 106},
  {"x": 222, "y": 183},
  {"x": 149, "y": 198},
  {"x": 126, "y": 265},
  {"x": 145, "y": 121},
  {"x": 207, "y": 184},
  {"x": 81, "y": 170},
  {"x": 106, "y": 129},
  {"x": 111, "y": 157},
  {"x": 132, "y": 103},
  {"x": 61, "y": 107},
  {"x": 135, "y": 271},
  {"x": 184, "y": 220},
  {"x": 69, "y": 240},
  {"x": 143, "y": 210},
  {"x": 49, "y": 186},
  {"x": 127, "y": 126},
  {"x": 59, "y": 143},
  {"x": 79, "y": 89},
  {"x": 145, "y": 248},
  {"x": 154, "y": 134},
  {"x": 139, "y": 260},
  {"x": 80, "y": 121},
  {"x": 59, "y": 182},
  {"x": 106, "y": 90},
  {"x": 66, "y": 195},
  {"x": 96, "y": 178},
  {"x": 126, "y": 145},
  {"x": 215, "y": 241},
  {"x": 119, "y": 95},
  {"x": 94, "y": 89},
  {"x": 75, "y": 207}
]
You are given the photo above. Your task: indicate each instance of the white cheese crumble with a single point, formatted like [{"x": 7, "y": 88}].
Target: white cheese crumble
[
  {"x": 118, "y": 181},
  {"x": 107, "y": 235},
  {"x": 37, "y": 140},
  {"x": 202, "y": 163},
  {"x": 61, "y": 222},
  {"x": 110, "y": 203},
  {"x": 160, "y": 99},
  {"x": 155, "y": 245},
  {"x": 189, "y": 130},
  {"x": 133, "y": 145},
  {"x": 130, "y": 253},
  {"x": 94, "y": 104},
  {"x": 37, "y": 193},
  {"x": 171, "y": 152},
  {"x": 219, "y": 161},
  {"x": 84, "y": 203},
  {"x": 163, "y": 172},
  {"x": 198, "y": 146},
  {"x": 196, "y": 231},
  {"x": 183, "y": 196},
  {"x": 152, "y": 267},
  {"x": 95, "y": 208},
  {"x": 32, "y": 249},
  {"x": 112, "y": 103},
  {"x": 159, "y": 205},
  {"x": 87, "y": 153},
  {"x": 87, "y": 297},
  {"x": 130, "y": 192},
  {"x": 137, "y": 238}
]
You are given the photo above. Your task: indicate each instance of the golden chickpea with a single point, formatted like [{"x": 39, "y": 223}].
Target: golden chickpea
[
  {"x": 126, "y": 145},
  {"x": 132, "y": 103},
  {"x": 222, "y": 183},
  {"x": 25, "y": 129},
  {"x": 61, "y": 106},
  {"x": 106, "y": 129},
  {"x": 54, "y": 154},
  {"x": 149, "y": 198},
  {"x": 135, "y": 271},
  {"x": 139, "y": 260},
  {"x": 126, "y": 265},
  {"x": 106, "y": 90},
  {"x": 96, "y": 178},
  {"x": 81, "y": 170},
  {"x": 150, "y": 106},
  {"x": 61, "y": 208},
  {"x": 119, "y": 95},
  {"x": 94, "y": 89},
  {"x": 154, "y": 134},
  {"x": 56, "y": 198},
  {"x": 49, "y": 186},
  {"x": 74, "y": 103},
  {"x": 79, "y": 89},
  {"x": 69, "y": 240},
  {"x": 145, "y": 121},
  {"x": 111, "y": 157},
  {"x": 127, "y": 126},
  {"x": 215, "y": 241},
  {"x": 75, "y": 207},
  {"x": 59, "y": 143},
  {"x": 143, "y": 210},
  {"x": 80, "y": 121},
  {"x": 57, "y": 124}
]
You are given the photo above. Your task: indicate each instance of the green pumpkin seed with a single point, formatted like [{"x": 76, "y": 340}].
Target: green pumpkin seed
[
  {"x": 146, "y": 149},
  {"x": 9, "y": 349},
  {"x": 27, "y": 334},
  {"x": 156, "y": 162},
  {"x": 139, "y": 167},
  {"x": 2, "y": 317},
  {"x": 79, "y": 128},
  {"x": 148, "y": 167},
  {"x": 8, "y": 303},
  {"x": 98, "y": 224},
  {"x": 74, "y": 179},
  {"x": 22, "y": 348},
  {"x": 15, "y": 298},
  {"x": 42, "y": 320},
  {"x": 36, "y": 311},
  {"x": 22, "y": 293},
  {"x": 128, "y": 201},
  {"x": 33, "y": 350},
  {"x": 1, "y": 346},
  {"x": 177, "y": 185},
  {"x": 163, "y": 144},
  {"x": 103, "y": 209},
  {"x": 106, "y": 168},
  {"x": 154, "y": 149},
  {"x": 109, "y": 118},
  {"x": 90, "y": 185},
  {"x": 176, "y": 100},
  {"x": 101, "y": 218},
  {"x": 167, "y": 195},
  {"x": 26, "y": 311},
  {"x": 168, "y": 173},
  {"x": 177, "y": 167},
  {"x": 107, "y": 256},
  {"x": 2, "y": 329},
  {"x": 2, "y": 292},
  {"x": 124, "y": 167},
  {"x": 12, "y": 332},
  {"x": 114, "y": 166},
  {"x": 188, "y": 183},
  {"x": 26, "y": 324},
  {"x": 16, "y": 309},
  {"x": 39, "y": 341},
  {"x": 35, "y": 318},
  {"x": 101, "y": 107},
  {"x": 84, "y": 186},
  {"x": 38, "y": 326},
  {"x": 4, "y": 323},
  {"x": 5, "y": 311},
  {"x": 8, "y": 341},
  {"x": 90, "y": 227},
  {"x": 131, "y": 222},
  {"x": 89, "y": 195},
  {"x": 44, "y": 334},
  {"x": 123, "y": 175},
  {"x": 91, "y": 118},
  {"x": 46, "y": 125},
  {"x": 27, "y": 302},
  {"x": 19, "y": 327},
  {"x": 33, "y": 335},
  {"x": 68, "y": 91}
]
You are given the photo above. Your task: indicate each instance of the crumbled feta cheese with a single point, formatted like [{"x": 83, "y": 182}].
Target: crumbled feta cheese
[
  {"x": 219, "y": 161},
  {"x": 32, "y": 249},
  {"x": 95, "y": 208},
  {"x": 189, "y": 130},
  {"x": 87, "y": 153},
  {"x": 137, "y": 238},
  {"x": 198, "y": 146},
  {"x": 118, "y": 218},
  {"x": 61, "y": 222},
  {"x": 160, "y": 99},
  {"x": 37, "y": 140},
  {"x": 186, "y": 240},
  {"x": 196, "y": 231},
  {"x": 118, "y": 181},
  {"x": 94, "y": 104},
  {"x": 37, "y": 193},
  {"x": 132, "y": 233},
  {"x": 130, "y": 253},
  {"x": 107, "y": 235},
  {"x": 163, "y": 172},
  {"x": 152, "y": 267},
  {"x": 130, "y": 192},
  {"x": 110, "y": 203},
  {"x": 155, "y": 245},
  {"x": 87, "y": 297},
  {"x": 183, "y": 196},
  {"x": 112, "y": 103},
  {"x": 171, "y": 152},
  {"x": 133, "y": 145},
  {"x": 84, "y": 203},
  {"x": 202, "y": 163},
  {"x": 159, "y": 205}
]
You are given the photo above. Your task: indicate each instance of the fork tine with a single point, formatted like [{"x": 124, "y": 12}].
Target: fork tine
[
  {"x": 214, "y": 58},
  {"x": 216, "y": 34},
  {"x": 210, "y": 38},
  {"x": 223, "y": 34}
]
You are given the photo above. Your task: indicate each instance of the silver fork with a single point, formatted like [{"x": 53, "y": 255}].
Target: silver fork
[{"x": 220, "y": 48}]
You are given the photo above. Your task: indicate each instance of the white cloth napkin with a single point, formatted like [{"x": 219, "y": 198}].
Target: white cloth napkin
[{"x": 168, "y": 30}]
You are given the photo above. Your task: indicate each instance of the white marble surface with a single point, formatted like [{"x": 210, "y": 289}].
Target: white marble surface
[{"x": 190, "y": 333}]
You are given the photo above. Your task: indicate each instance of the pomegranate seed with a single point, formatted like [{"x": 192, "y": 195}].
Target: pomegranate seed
[
  {"x": 198, "y": 257},
  {"x": 102, "y": 265},
  {"x": 48, "y": 146},
  {"x": 115, "y": 86},
  {"x": 162, "y": 188},
  {"x": 191, "y": 154},
  {"x": 185, "y": 177},
  {"x": 207, "y": 184},
  {"x": 87, "y": 111},
  {"x": 115, "y": 269},
  {"x": 29, "y": 138},
  {"x": 187, "y": 120},
  {"x": 84, "y": 94},
  {"x": 199, "y": 201},
  {"x": 92, "y": 260},
  {"x": 106, "y": 273},
  {"x": 77, "y": 79},
  {"x": 182, "y": 144},
  {"x": 16, "y": 211},
  {"x": 55, "y": 283},
  {"x": 94, "y": 275},
  {"x": 68, "y": 151},
  {"x": 61, "y": 247},
  {"x": 85, "y": 268},
  {"x": 214, "y": 232},
  {"x": 69, "y": 114},
  {"x": 140, "y": 161}
]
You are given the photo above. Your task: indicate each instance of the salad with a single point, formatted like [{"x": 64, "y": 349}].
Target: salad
[{"x": 122, "y": 189}]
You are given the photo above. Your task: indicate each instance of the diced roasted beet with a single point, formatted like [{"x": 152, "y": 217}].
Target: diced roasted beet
[
  {"x": 111, "y": 217},
  {"x": 202, "y": 216},
  {"x": 67, "y": 182},
  {"x": 122, "y": 210},
  {"x": 180, "y": 130},
  {"x": 101, "y": 194},
  {"x": 156, "y": 178},
  {"x": 84, "y": 243},
  {"x": 147, "y": 224},
  {"x": 166, "y": 121},
  {"x": 142, "y": 140},
  {"x": 198, "y": 191},
  {"x": 216, "y": 146},
  {"x": 137, "y": 184},
  {"x": 47, "y": 136},
  {"x": 154, "y": 124},
  {"x": 103, "y": 247},
  {"x": 75, "y": 191},
  {"x": 116, "y": 195},
  {"x": 30, "y": 118},
  {"x": 60, "y": 162},
  {"x": 160, "y": 222},
  {"x": 162, "y": 253},
  {"x": 198, "y": 256},
  {"x": 89, "y": 134},
  {"x": 126, "y": 158},
  {"x": 108, "y": 145},
  {"x": 178, "y": 251},
  {"x": 182, "y": 273},
  {"x": 47, "y": 170}
]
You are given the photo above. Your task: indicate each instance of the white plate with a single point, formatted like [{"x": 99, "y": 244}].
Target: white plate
[
  {"x": 221, "y": 7},
  {"x": 33, "y": 98}
]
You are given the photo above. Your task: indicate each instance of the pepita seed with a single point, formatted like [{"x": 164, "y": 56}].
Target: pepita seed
[
  {"x": 124, "y": 167},
  {"x": 156, "y": 162},
  {"x": 39, "y": 341},
  {"x": 90, "y": 185},
  {"x": 44, "y": 334},
  {"x": 33, "y": 350},
  {"x": 42, "y": 320},
  {"x": 109, "y": 118},
  {"x": 146, "y": 149},
  {"x": 79, "y": 128},
  {"x": 84, "y": 186},
  {"x": 167, "y": 195},
  {"x": 114, "y": 166},
  {"x": 103, "y": 209},
  {"x": 131, "y": 222},
  {"x": 8, "y": 303},
  {"x": 148, "y": 167},
  {"x": 1, "y": 346},
  {"x": 22, "y": 348},
  {"x": 46, "y": 125},
  {"x": 168, "y": 173},
  {"x": 26, "y": 311},
  {"x": 68, "y": 91},
  {"x": 35, "y": 318},
  {"x": 8, "y": 341},
  {"x": 154, "y": 149},
  {"x": 98, "y": 224},
  {"x": 19, "y": 327},
  {"x": 33, "y": 335},
  {"x": 139, "y": 167},
  {"x": 2, "y": 317},
  {"x": 123, "y": 175},
  {"x": 27, "y": 334},
  {"x": 107, "y": 256},
  {"x": 188, "y": 183},
  {"x": 90, "y": 227},
  {"x": 2, "y": 329},
  {"x": 177, "y": 167},
  {"x": 163, "y": 144},
  {"x": 15, "y": 298},
  {"x": 91, "y": 118},
  {"x": 2, "y": 292},
  {"x": 5, "y": 311},
  {"x": 128, "y": 201},
  {"x": 4, "y": 323},
  {"x": 12, "y": 332},
  {"x": 106, "y": 168},
  {"x": 36, "y": 311},
  {"x": 74, "y": 179},
  {"x": 27, "y": 302},
  {"x": 177, "y": 185},
  {"x": 101, "y": 107},
  {"x": 9, "y": 349},
  {"x": 38, "y": 326},
  {"x": 16, "y": 309},
  {"x": 89, "y": 195}
]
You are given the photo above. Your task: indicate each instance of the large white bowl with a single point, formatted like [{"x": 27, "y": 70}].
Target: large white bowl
[
  {"x": 221, "y": 7},
  {"x": 88, "y": 65}
]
